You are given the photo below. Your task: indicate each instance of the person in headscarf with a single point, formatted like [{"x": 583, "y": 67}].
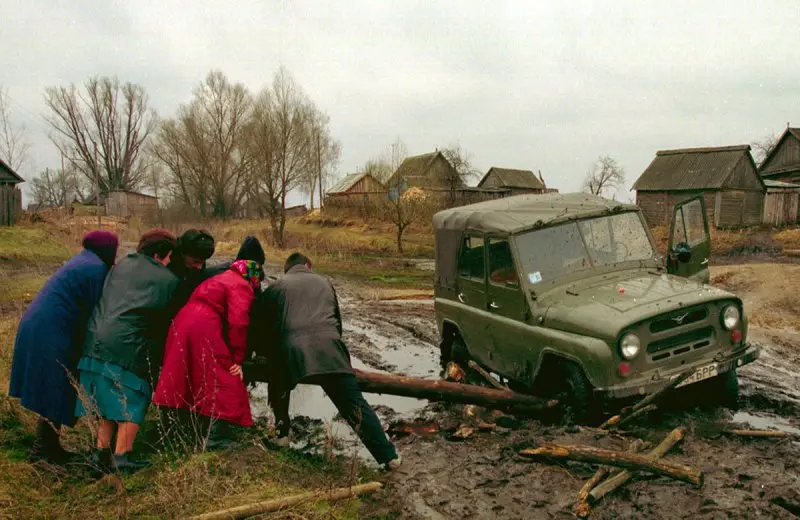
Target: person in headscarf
[
  {"x": 50, "y": 338},
  {"x": 206, "y": 345},
  {"x": 188, "y": 262},
  {"x": 126, "y": 331}
]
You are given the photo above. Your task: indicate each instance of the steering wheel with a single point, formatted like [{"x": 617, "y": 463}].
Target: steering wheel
[{"x": 627, "y": 250}]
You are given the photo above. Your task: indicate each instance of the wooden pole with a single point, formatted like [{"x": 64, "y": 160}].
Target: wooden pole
[
  {"x": 648, "y": 400},
  {"x": 437, "y": 390},
  {"x": 583, "y": 508},
  {"x": 760, "y": 433},
  {"x": 97, "y": 189},
  {"x": 277, "y": 504},
  {"x": 638, "y": 413},
  {"x": 616, "y": 458},
  {"x": 674, "y": 437},
  {"x": 486, "y": 375}
]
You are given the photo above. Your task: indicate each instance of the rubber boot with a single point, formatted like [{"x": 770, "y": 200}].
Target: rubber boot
[
  {"x": 47, "y": 446},
  {"x": 101, "y": 461},
  {"x": 220, "y": 436},
  {"x": 124, "y": 464}
]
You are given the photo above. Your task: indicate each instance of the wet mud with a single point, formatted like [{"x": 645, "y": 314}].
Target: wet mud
[{"x": 475, "y": 472}]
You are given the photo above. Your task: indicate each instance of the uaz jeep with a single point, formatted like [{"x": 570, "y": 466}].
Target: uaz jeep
[{"x": 567, "y": 293}]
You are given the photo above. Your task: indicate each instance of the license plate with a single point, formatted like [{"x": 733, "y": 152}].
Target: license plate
[{"x": 702, "y": 373}]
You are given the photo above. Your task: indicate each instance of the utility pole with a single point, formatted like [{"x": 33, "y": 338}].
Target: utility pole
[
  {"x": 319, "y": 169},
  {"x": 97, "y": 189}
]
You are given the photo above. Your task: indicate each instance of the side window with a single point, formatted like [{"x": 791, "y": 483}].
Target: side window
[
  {"x": 470, "y": 260},
  {"x": 679, "y": 232},
  {"x": 501, "y": 264},
  {"x": 695, "y": 225}
]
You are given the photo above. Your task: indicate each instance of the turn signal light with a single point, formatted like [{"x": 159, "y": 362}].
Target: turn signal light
[
  {"x": 624, "y": 369},
  {"x": 736, "y": 336}
]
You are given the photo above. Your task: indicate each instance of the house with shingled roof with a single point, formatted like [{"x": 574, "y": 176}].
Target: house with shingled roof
[
  {"x": 357, "y": 186},
  {"x": 429, "y": 171},
  {"x": 783, "y": 162},
  {"x": 726, "y": 177},
  {"x": 516, "y": 181}
]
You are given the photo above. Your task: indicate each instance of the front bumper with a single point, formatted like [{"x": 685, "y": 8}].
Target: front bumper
[{"x": 656, "y": 380}]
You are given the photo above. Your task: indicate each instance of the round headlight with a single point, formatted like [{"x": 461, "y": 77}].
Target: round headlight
[
  {"x": 730, "y": 317},
  {"x": 630, "y": 346}
]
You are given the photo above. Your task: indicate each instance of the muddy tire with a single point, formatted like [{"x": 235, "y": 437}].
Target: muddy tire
[{"x": 566, "y": 382}]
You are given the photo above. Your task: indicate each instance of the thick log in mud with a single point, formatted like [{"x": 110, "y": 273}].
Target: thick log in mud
[
  {"x": 270, "y": 506},
  {"x": 776, "y": 434},
  {"x": 436, "y": 390},
  {"x": 619, "y": 459},
  {"x": 615, "y": 482},
  {"x": 614, "y": 421}
]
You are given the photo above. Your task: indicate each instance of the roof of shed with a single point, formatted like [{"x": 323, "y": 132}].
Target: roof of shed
[
  {"x": 691, "y": 168},
  {"x": 8, "y": 175},
  {"x": 512, "y": 178}
]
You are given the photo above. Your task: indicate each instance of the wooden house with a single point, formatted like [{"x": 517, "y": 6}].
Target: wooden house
[{"x": 10, "y": 195}]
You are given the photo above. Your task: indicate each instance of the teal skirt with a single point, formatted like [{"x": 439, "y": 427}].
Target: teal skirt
[{"x": 110, "y": 391}]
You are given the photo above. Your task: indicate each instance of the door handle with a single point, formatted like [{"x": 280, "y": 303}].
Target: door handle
[
  {"x": 704, "y": 262},
  {"x": 493, "y": 305},
  {"x": 461, "y": 297}
]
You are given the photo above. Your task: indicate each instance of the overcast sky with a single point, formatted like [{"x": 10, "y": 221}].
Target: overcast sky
[{"x": 545, "y": 88}]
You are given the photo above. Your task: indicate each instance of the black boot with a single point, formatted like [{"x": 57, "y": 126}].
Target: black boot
[
  {"x": 47, "y": 446},
  {"x": 220, "y": 436},
  {"x": 102, "y": 461},
  {"x": 124, "y": 464}
]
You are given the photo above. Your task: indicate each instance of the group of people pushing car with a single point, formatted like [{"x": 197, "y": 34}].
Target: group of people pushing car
[{"x": 105, "y": 337}]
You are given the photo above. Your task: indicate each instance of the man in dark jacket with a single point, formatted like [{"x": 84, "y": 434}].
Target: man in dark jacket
[
  {"x": 188, "y": 263},
  {"x": 298, "y": 327}
]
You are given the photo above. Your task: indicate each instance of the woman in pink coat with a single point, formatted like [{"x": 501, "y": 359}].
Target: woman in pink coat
[{"x": 206, "y": 345}]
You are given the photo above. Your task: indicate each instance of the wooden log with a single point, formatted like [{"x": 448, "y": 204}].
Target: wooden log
[
  {"x": 648, "y": 399},
  {"x": 454, "y": 372},
  {"x": 486, "y": 375},
  {"x": 277, "y": 504},
  {"x": 619, "y": 459},
  {"x": 760, "y": 433},
  {"x": 634, "y": 415},
  {"x": 674, "y": 437},
  {"x": 583, "y": 508},
  {"x": 437, "y": 390}
]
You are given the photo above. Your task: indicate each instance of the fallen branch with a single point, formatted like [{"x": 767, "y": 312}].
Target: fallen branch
[
  {"x": 674, "y": 437},
  {"x": 634, "y": 415},
  {"x": 648, "y": 399},
  {"x": 583, "y": 508},
  {"x": 277, "y": 504},
  {"x": 486, "y": 375},
  {"x": 760, "y": 433},
  {"x": 617, "y": 458}
]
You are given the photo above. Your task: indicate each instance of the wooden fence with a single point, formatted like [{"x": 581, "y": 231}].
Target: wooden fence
[{"x": 10, "y": 204}]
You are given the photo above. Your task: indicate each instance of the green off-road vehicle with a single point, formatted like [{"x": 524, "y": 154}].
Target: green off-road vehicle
[{"x": 566, "y": 294}]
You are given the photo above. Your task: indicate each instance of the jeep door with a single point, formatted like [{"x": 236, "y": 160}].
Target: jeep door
[
  {"x": 511, "y": 337},
  {"x": 473, "y": 320},
  {"x": 689, "y": 241}
]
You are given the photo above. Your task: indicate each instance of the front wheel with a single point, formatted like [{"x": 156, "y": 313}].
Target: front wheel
[{"x": 721, "y": 390}]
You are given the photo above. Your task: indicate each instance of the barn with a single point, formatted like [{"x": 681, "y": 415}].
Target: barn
[
  {"x": 429, "y": 171},
  {"x": 357, "y": 186},
  {"x": 10, "y": 195},
  {"x": 726, "y": 176},
  {"x": 517, "y": 182},
  {"x": 121, "y": 203},
  {"x": 783, "y": 162}
]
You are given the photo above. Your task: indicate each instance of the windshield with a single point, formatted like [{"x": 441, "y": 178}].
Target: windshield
[{"x": 550, "y": 253}]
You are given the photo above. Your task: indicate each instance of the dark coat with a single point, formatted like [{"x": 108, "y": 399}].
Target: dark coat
[
  {"x": 189, "y": 280},
  {"x": 297, "y": 325},
  {"x": 208, "y": 336},
  {"x": 50, "y": 337},
  {"x": 129, "y": 324}
]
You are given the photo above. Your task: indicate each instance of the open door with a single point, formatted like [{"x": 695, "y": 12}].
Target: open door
[{"x": 690, "y": 241}]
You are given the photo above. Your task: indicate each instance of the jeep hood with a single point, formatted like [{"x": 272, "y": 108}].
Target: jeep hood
[{"x": 603, "y": 306}]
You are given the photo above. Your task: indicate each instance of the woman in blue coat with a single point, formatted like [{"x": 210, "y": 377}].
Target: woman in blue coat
[{"x": 50, "y": 338}]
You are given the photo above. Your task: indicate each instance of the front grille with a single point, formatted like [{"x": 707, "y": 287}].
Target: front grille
[
  {"x": 681, "y": 343},
  {"x": 678, "y": 319}
]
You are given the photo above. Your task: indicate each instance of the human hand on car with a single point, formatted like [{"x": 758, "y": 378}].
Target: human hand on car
[{"x": 236, "y": 370}]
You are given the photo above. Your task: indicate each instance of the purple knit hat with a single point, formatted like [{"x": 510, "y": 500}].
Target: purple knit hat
[{"x": 102, "y": 243}]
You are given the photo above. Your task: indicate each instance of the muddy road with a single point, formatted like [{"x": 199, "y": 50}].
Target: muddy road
[{"x": 482, "y": 477}]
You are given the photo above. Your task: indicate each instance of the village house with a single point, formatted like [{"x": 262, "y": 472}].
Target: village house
[
  {"x": 725, "y": 176},
  {"x": 783, "y": 162},
  {"x": 517, "y": 182},
  {"x": 357, "y": 187},
  {"x": 429, "y": 171},
  {"x": 299, "y": 210},
  {"x": 126, "y": 204},
  {"x": 10, "y": 195}
]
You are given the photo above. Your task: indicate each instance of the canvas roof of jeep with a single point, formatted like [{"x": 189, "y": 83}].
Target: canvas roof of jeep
[
  {"x": 507, "y": 216},
  {"x": 514, "y": 214}
]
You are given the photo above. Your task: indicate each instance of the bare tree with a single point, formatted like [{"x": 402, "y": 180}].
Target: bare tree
[
  {"x": 101, "y": 131},
  {"x": 379, "y": 167},
  {"x": 13, "y": 144},
  {"x": 403, "y": 209},
  {"x": 57, "y": 187},
  {"x": 399, "y": 154},
  {"x": 763, "y": 147},
  {"x": 605, "y": 174},
  {"x": 205, "y": 147},
  {"x": 463, "y": 171},
  {"x": 280, "y": 145},
  {"x": 325, "y": 152}
]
